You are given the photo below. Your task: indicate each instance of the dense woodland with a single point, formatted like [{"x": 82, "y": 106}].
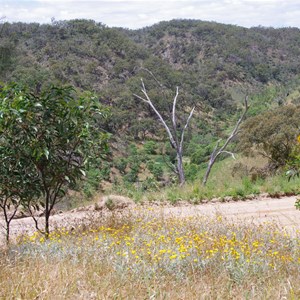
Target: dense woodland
[{"x": 214, "y": 66}]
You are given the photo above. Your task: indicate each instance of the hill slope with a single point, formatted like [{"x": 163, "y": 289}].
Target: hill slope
[
  {"x": 213, "y": 64},
  {"x": 204, "y": 58}
]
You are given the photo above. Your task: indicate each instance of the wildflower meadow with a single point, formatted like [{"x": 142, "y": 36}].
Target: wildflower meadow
[{"x": 149, "y": 256}]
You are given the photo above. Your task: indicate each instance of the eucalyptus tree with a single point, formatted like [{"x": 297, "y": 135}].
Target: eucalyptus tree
[
  {"x": 56, "y": 134},
  {"x": 18, "y": 183}
]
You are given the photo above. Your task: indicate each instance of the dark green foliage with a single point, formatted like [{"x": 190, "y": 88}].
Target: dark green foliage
[
  {"x": 91, "y": 184},
  {"x": 297, "y": 204},
  {"x": 7, "y": 50},
  {"x": 55, "y": 135},
  {"x": 121, "y": 164},
  {"x": 129, "y": 164},
  {"x": 201, "y": 154},
  {"x": 19, "y": 184},
  {"x": 293, "y": 164},
  {"x": 133, "y": 152},
  {"x": 205, "y": 59},
  {"x": 150, "y": 147},
  {"x": 134, "y": 162},
  {"x": 156, "y": 169},
  {"x": 132, "y": 175},
  {"x": 273, "y": 134},
  {"x": 191, "y": 171}
]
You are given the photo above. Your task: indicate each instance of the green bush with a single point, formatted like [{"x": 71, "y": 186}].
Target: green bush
[
  {"x": 121, "y": 164},
  {"x": 133, "y": 150},
  {"x": 149, "y": 184},
  {"x": 191, "y": 171},
  {"x": 156, "y": 169},
  {"x": 105, "y": 171},
  {"x": 201, "y": 154},
  {"x": 132, "y": 175},
  {"x": 150, "y": 147},
  {"x": 273, "y": 133}
]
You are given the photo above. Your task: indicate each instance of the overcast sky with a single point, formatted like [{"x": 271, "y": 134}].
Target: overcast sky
[{"x": 140, "y": 13}]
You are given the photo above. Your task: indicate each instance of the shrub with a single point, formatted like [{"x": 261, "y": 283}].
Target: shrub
[
  {"x": 273, "y": 134},
  {"x": 150, "y": 147}
]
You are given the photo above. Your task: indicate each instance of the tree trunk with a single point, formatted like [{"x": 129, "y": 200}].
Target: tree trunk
[
  {"x": 217, "y": 151},
  {"x": 7, "y": 233},
  {"x": 47, "y": 215},
  {"x": 210, "y": 164},
  {"x": 180, "y": 169},
  {"x": 7, "y": 222},
  {"x": 47, "y": 231}
]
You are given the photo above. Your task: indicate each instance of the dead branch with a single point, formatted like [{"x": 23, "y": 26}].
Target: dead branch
[
  {"x": 217, "y": 151},
  {"x": 176, "y": 142}
]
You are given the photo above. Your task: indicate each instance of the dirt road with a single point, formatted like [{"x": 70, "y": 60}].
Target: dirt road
[{"x": 260, "y": 210}]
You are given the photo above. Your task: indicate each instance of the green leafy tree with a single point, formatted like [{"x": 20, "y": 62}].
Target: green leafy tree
[
  {"x": 294, "y": 161},
  {"x": 272, "y": 134},
  {"x": 18, "y": 183},
  {"x": 293, "y": 166},
  {"x": 56, "y": 135}
]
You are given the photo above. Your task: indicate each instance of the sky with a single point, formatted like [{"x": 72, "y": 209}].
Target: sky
[{"x": 135, "y": 14}]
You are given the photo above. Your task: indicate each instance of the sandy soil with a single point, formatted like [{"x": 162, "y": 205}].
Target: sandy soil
[
  {"x": 282, "y": 211},
  {"x": 260, "y": 210}
]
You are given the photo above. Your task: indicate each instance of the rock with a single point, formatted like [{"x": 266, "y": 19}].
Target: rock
[
  {"x": 214, "y": 200},
  {"x": 264, "y": 195},
  {"x": 113, "y": 202},
  {"x": 91, "y": 208},
  {"x": 228, "y": 199},
  {"x": 21, "y": 214}
]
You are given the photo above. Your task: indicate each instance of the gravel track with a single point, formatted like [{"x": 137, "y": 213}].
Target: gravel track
[{"x": 259, "y": 210}]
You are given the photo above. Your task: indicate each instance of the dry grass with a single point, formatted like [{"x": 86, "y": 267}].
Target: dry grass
[
  {"x": 149, "y": 257},
  {"x": 224, "y": 182}
]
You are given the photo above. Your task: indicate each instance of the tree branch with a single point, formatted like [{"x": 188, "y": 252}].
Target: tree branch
[
  {"x": 228, "y": 152},
  {"x": 148, "y": 100},
  {"x": 216, "y": 152},
  {"x": 170, "y": 165},
  {"x": 235, "y": 130},
  {"x": 153, "y": 76},
  {"x": 174, "y": 109},
  {"x": 35, "y": 220},
  {"x": 185, "y": 127}
]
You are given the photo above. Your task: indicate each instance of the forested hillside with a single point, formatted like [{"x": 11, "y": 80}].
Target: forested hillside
[
  {"x": 214, "y": 66},
  {"x": 210, "y": 62}
]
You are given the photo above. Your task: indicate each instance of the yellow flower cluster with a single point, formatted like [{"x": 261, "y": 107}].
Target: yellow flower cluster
[{"x": 189, "y": 241}]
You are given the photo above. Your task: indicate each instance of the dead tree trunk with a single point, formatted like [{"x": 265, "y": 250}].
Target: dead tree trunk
[
  {"x": 217, "y": 151},
  {"x": 176, "y": 139}
]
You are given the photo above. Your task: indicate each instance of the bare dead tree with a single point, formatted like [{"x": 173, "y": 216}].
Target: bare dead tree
[
  {"x": 176, "y": 139},
  {"x": 222, "y": 150}
]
